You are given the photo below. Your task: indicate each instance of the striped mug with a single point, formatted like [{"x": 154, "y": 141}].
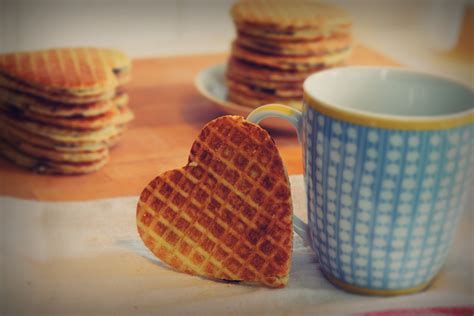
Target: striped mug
[{"x": 388, "y": 160}]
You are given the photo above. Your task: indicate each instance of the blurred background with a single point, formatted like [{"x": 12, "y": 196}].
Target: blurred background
[{"x": 430, "y": 35}]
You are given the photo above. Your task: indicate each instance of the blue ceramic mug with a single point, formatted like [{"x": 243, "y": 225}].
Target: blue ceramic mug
[{"x": 388, "y": 160}]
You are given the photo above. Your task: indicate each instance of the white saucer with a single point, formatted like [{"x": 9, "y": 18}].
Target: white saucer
[{"x": 210, "y": 83}]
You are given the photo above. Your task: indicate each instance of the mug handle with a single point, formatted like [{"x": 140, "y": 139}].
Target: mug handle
[
  {"x": 292, "y": 115},
  {"x": 295, "y": 117}
]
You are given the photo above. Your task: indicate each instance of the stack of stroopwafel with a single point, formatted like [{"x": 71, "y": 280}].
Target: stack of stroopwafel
[
  {"x": 62, "y": 109},
  {"x": 279, "y": 43}
]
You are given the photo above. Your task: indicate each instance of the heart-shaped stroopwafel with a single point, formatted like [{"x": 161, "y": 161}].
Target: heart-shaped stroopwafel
[
  {"x": 71, "y": 75},
  {"x": 227, "y": 214}
]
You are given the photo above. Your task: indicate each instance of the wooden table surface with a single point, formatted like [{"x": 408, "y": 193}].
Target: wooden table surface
[{"x": 169, "y": 114}]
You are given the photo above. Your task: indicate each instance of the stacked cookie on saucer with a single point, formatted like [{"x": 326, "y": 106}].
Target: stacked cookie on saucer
[
  {"x": 62, "y": 109},
  {"x": 280, "y": 43}
]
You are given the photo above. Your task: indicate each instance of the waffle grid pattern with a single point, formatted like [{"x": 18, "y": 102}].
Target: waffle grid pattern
[
  {"x": 204, "y": 219},
  {"x": 289, "y": 15},
  {"x": 83, "y": 70}
]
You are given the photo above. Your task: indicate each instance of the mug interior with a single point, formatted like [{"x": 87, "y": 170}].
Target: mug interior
[{"x": 389, "y": 91}]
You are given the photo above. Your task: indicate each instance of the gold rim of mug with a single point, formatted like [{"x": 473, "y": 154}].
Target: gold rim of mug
[
  {"x": 389, "y": 121},
  {"x": 366, "y": 291}
]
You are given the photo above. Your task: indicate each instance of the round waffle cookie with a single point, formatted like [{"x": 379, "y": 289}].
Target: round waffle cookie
[
  {"x": 289, "y": 17},
  {"x": 291, "y": 34},
  {"x": 295, "y": 48},
  {"x": 296, "y": 63},
  {"x": 294, "y": 88},
  {"x": 242, "y": 77},
  {"x": 258, "y": 91},
  {"x": 252, "y": 72},
  {"x": 227, "y": 214}
]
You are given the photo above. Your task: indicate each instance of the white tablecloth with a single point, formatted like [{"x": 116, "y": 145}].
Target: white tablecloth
[{"x": 87, "y": 258}]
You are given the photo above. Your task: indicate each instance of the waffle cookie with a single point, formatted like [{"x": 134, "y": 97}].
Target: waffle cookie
[
  {"x": 58, "y": 109},
  {"x": 57, "y": 155},
  {"x": 227, "y": 214},
  {"x": 69, "y": 75},
  {"x": 279, "y": 44},
  {"x": 292, "y": 63},
  {"x": 295, "y": 48},
  {"x": 287, "y": 88},
  {"x": 58, "y": 150},
  {"x": 73, "y": 122},
  {"x": 292, "y": 34},
  {"x": 251, "y": 76},
  {"x": 64, "y": 135},
  {"x": 18, "y": 134},
  {"x": 61, "y": 110},
  {"x": 289, "y": 17},
  {"x": 263, "y": 92},
  {"x": 12, "y": 84},
  {"x": 46, "y": 166},
  {"x": 253, "y": 72}
]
